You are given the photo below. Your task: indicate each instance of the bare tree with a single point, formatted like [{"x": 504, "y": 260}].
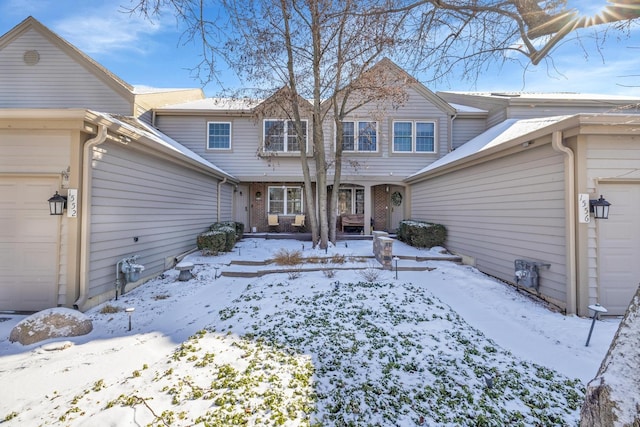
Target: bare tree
[{"x": 325, "y": 50}]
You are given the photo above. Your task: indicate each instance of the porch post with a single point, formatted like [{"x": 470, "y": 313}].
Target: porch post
[{"x": 368, "y": 209}]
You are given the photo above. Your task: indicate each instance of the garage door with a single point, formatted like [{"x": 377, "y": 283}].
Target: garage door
[
  {"x": 619, "y": 247},
  {"x": 28, "y": 244}
]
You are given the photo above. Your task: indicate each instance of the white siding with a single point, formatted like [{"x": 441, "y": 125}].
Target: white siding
[
  {"x": 56, "y": 81},
  {"x": 503, "y": 210},
  {"x": 136, "y": 195},
  {"x": 609, "y": 160}
]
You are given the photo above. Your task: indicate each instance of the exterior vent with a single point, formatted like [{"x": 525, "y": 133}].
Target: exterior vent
[{"x": 31, "y": 57}]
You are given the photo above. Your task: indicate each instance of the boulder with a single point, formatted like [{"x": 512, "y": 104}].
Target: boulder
[{"x": 51, "y": 323}]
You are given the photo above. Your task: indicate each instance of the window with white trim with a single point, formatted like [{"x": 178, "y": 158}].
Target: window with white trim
[
  {"x": 218, "y": 135},
  {"x": 280, "y": 135},
  {"x": 351, "y": 201},
  {"x": 359, "y": 136},
  {"x": 285, "y": 200},
  {"x": 414, "y": 137}
]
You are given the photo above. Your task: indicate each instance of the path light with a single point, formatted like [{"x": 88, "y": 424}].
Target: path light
[
  {"x": 395, "y": 258},
  {"x": 597, "y": 309},
  {"x": 57, "y": 204},
  {"x": 600, "y": 208},
  {"x": 129, "y": 311}
]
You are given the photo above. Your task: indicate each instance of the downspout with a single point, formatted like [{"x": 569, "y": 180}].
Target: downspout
[
  {"x": 85, "y": 230},
  {"x": 450, "y": 143},
  {"x": 220, "y": 184},
  {"x": 570, "y": 220}
]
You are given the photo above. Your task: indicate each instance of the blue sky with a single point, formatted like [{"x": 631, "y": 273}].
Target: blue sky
[{"x": 151, "y": 54}]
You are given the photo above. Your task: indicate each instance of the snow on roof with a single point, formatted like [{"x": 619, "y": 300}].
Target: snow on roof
[
  {"x": 564, "y": 96},
  {"x": 495, "y": 136},
  {"x": 215, "y": 104},
  {"x": 137, "y": 126},
  {"x": 466, "y": 109},
  {"x": 142, "y": 89}
]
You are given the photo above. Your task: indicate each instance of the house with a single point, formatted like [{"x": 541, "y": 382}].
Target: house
[
  {"x": 521, "y": 191},
  {"x": 69, "y": 126},
  {"x": 145, "y": 170},
  {"x": 254, "y": 141}
]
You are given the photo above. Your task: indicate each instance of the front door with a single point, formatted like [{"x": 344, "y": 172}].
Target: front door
[
  {"x": 241, "y": 206},
  {"x": 396, "y": 206}
]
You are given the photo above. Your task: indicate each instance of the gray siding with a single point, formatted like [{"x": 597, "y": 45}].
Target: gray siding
[
  {"x": 56, "y": 81},
  {"x": 137, "y": 195},
  {"x": 503, "y": 210},
  {"x": 226, "y": 202},
  {"x": 242, "y": 161},
  {"x": 465, "y": 130}
]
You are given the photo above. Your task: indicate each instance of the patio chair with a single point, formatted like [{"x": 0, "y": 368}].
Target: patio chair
[
  {"x": 273, "y": 221},
  {"x": 298, "y": 223}
]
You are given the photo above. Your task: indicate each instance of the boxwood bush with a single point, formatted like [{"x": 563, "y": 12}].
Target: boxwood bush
[
  {"x": 212, "y": 241},
  {"x": 221, "y": 237},
  {"x": 421, "y": 234}
]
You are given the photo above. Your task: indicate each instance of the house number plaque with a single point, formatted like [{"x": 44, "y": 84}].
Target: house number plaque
[
  {"x": 583, "y": 208},
  {"x": 72, "y": 203}
]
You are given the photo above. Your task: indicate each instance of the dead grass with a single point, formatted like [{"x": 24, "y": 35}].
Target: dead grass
[
  {"x": 110, "y": 309},
  {"x": 288, "y": 258}
]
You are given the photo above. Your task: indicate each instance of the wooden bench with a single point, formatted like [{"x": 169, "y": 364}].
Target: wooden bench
[{"x": 352, "y": 220}]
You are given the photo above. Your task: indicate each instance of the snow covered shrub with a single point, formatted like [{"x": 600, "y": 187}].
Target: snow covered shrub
[
  {"x": 230, "y": 231},
  {"x": 422, "y": 234},
  {"x": 212, "y": 242}
]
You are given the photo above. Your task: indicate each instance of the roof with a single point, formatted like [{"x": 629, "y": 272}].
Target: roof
[
  {"x": 212, "y": 104},
  {"x": 494, "y": 137},
  {"x": 136, "y": 126}
]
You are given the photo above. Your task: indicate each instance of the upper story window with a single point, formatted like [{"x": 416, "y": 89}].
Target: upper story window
[
  {"x": 414, "y": 137},
  {"x": 280, "y": 135},
  {"x": 218, "y": 136},
  {"x": 285, "y": 200},
  {"x": 360, "y": 136}
]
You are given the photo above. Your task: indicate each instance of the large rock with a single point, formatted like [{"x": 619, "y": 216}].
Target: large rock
[
  {"x": 51, "y": 323},
  {"x": 613, "y": 396}
]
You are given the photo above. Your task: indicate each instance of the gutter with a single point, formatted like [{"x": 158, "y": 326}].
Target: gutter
[
  {"x": 85, "y": 230},
  {"x": 570, "y": 220}
]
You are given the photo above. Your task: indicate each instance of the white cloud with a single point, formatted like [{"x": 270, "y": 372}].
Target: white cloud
[{"x": 109, "y": 29}]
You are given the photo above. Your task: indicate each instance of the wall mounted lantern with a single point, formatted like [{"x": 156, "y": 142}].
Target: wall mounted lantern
[
  {"x": 600, "y": 208},
  {"x": 57, "y": 204},
  {"x": 258, "y": 195}
]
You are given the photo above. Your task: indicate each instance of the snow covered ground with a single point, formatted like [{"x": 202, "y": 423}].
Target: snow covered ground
[{"x": 443, "y": 346}]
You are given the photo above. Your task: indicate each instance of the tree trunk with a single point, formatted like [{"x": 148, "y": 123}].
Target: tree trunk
[{"x": 613, "y": 397}]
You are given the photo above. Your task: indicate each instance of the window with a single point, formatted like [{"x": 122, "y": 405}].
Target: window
[
  {"x": 285, "y": 200},
  {"x": 280, "y": 135},
  {"x": 219, "y": 136},
  {"x": 365, "y": 133},
  {"x": 417, "y": 137},
  {"x": 350, "y": 201}
]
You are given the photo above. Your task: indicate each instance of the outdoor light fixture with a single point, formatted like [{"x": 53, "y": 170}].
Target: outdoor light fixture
[
  {"x": 600, "y": 208},
  {"x": 57, "y": 204}
]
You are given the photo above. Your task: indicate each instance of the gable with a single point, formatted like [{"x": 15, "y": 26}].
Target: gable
[{"x": 40, "y": 70}]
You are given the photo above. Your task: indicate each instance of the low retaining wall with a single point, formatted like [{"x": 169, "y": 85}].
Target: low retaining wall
[{"x": 383, "y": 248}]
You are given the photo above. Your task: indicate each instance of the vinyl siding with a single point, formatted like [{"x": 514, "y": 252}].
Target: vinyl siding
[
  {"x": 499, "y": 211},
  {"x": 137, "y": 195},
  {"x": 465, "y": 130},
  {"x": 613, "y": 158},
  {"x": 226, "y": 203},
  {"x": 384, "y": 165},
  {"x": 56, "y": 81},
  {"x": 242, "y": 160}
]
